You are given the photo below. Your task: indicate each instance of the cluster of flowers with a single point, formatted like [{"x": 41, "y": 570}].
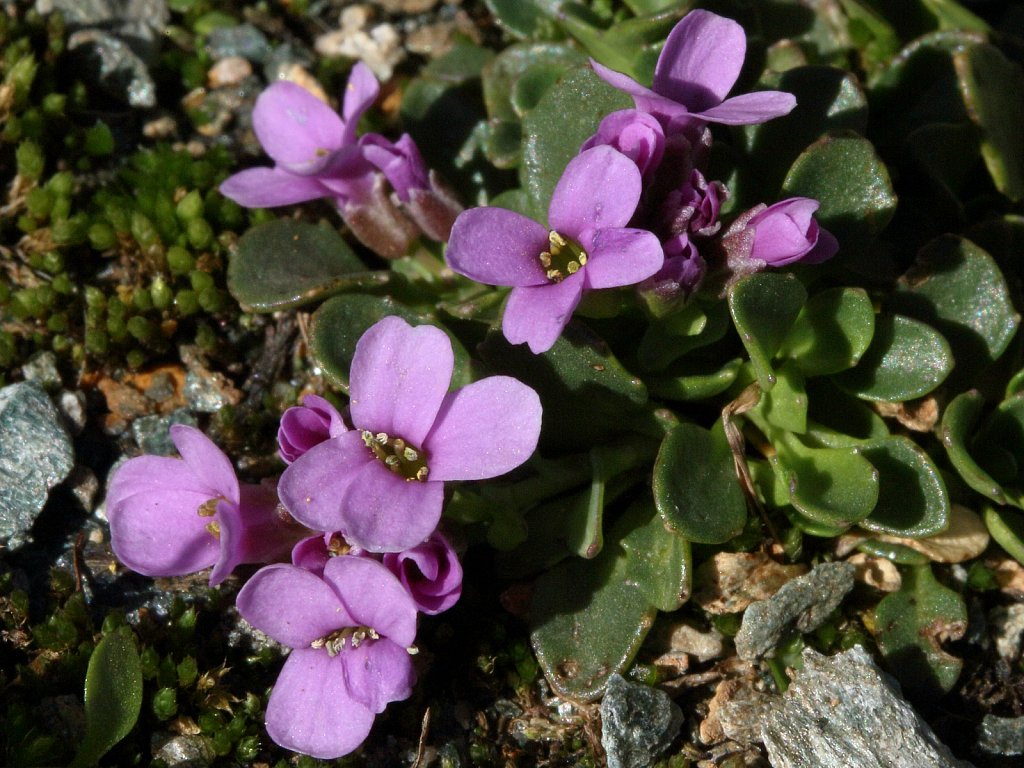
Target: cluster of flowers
[
  {"x": 383, "y": 189},
  {"x": 357, "y": 509},
  {"x": 633, "y": 207}
]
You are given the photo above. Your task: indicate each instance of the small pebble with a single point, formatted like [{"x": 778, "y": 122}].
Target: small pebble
[{"x": 229, "y": 71}]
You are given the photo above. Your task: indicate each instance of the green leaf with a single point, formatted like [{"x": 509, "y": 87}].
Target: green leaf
[
  {"x": 338, "y": 323},
  {"x": 695, "y": 486},
  {"x": 521, "y": 18},
  {"x": 912, "y": 498},
  {"x": 832, "y": 332},
  {"x": 838, "y": 420},
  {"x": 785, "y": 405},
  {"x": 630, "y": 46},
  {"x": 1007, "y": 527},
  {"x": 900, "y": 554},
  {"x": 588, "y": 396},
  {"x": 828, "y": 100},
  {"x": 946, "y": 287},
  {"x": 993, "y": 92},
  {"x": 113, "y": 696},
  {"x": 836, "y": 487},
  {"x": 589, "y": 617},
  {"x": 285, "y": 263},
  {"x": 668, "y": 338},
  {"x": 952, "y": 15},
  {"x": 689, "y": 380},
  {"x": 906, "y": 359},
  {"x": 958, "y": 422},
  {"x": 845, "y": 174},
  {"x": 763, "y": 307},
  {"x": 910, "y": 626},
  {"x": 551, "y": 140}
]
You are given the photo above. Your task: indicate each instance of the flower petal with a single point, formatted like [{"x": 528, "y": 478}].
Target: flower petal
[
  {"x": 498, "y": 247},
  {"x": 668, "y": 112},
  {"x": 373, "y": 597},
  {"x": 483, "y": 430},
  {"x": 313, "y": 485},
  {"x": 824, "y": 249},
  {"x": 304, "y": 426},
  {"x": 296, "y": 129},
  {"x": 361, "y": 91},
  {"x": 599, "y": 188},
  {"x": 399, "y": 377},
  {"x": 310, "y": 709},
  {"x": 623, "y": 82},
  {"x": 537, "y": 314},
  {"x": 750, "y": 108},
  {"x": 384, "y": 512},
  {"x": 701, "y": 60},
  {"x": 155, "y": 528},
  {"x": 208, "y": 462},
  {"x": 622, "y": 257},
  {"x": 378, "y": 672},
  {"x": 431, "y": 572},
  {"x": 292, "y": 605},
  {"x": 271, "y": 187}
]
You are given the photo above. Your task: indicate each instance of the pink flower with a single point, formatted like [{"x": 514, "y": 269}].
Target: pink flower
[
  {"x": 306, "y": 425},
  {"x": 351, "y": 631},
  {"x": 170, "y": 517},
  {"x": 430, "y": 571},
  {"x": 588, "y": 247},
  {"x": 381, "y": 484},
  {"x": 697, "y": 68},
  {"x": 779, "y": 235}
]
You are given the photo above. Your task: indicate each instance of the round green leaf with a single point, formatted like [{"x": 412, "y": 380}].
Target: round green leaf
[
  {"x": 828, "y": 100},
  {"x": 912, "y": 498},
  {"x": 763, "y": 307},
  {"x": 949, "y": 284},
  {"x": 845, "y": 174},
  {"x": 695, "y": 486},
  {"x": 837, "y": 420},
  {"x": 551, "y": 140},
  {"x": 689, "y": 381},
  {"x": 113, "y": 696},
  {"x": 658, "y": 560},
  {"x": 910, "y": 626},
  {"x": 906, "y": 359},
  {"x": 784, "y": 406},
  {"x": 1007, "y": 527},
  {"x": 993, "y": 91},
  {"x": 287, "y": 263},
  {"x": 958, "y": 423},
  {"x": 832, "y": 332},
  {"x": 832, "y": 486},
  {"x": 337, "y": 325},
  {"x": 519, "y": 17}
]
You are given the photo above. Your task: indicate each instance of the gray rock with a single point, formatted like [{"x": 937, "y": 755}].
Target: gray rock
[
  {"x": 242, "y": 40},
  {"x": 638, "y": 723},
  {"x": 72, "y": 406},
  {"x": 842, "y": 711},
  {"x": 42, "y": 369},
  {"x": 186, "y": 752},
  {"x": 803, "y": 603},
  {"x": 115, "y": 67},
  {"x": 153, "y": 433},
  {"x": 1008, "y": 630},
  {"x": 1001, "y": 735},
  {"x": 35, "y": 455}
]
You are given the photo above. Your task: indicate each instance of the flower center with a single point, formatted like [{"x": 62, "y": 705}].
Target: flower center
[
  {"x": 337, "y": 640},
  {"x": 400, "y": 457},
  {"x": 564, "y": 257}
]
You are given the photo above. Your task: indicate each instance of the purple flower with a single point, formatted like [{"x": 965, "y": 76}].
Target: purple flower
[
  {"x": 693, "y": 208},
  {"x": 635, "y": 134},
  {"x": 588, "y": 247},
  {"x": 306, "y": 425},
  {"x": 430, "y": 571},
  {"x": 313, "y": 553},
  {"x": 351, "y": 631},
  {"x": 381, "y": 484},
  {"x": 170, "y": 517},
  {"x": 681, "y": 275},
  {"x": 697, "y": 68},
  {"x": 313, "y": 148},
  {"x": 779, "y": 235}
]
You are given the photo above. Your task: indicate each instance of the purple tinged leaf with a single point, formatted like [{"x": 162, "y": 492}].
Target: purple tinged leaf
[
  {"x": 538, "y": 314},
  {"x": 297, "y": 130},
  {"x": 701, "y": 60},
  {"x": 498, "y": 247},
  {"x": 600, "y": 188},
  {"x": 399, "y": 377},
  {"x": 484, "y": 430},
  {"x": 622, "y": 257},
  {"x": 292, "y": 605},
  {"x": 310, "y": 709}
]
